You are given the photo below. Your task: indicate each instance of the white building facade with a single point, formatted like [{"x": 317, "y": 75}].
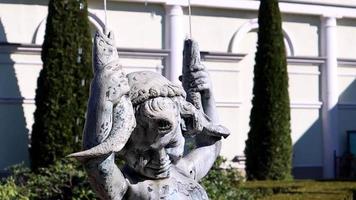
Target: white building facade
[{"x": 321, "y": 45}]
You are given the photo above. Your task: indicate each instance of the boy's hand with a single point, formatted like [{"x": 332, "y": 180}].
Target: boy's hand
[{"x": 201, "y": 83}]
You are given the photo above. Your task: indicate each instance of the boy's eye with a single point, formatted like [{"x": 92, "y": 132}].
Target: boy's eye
[{"x": 164, "y": 125}]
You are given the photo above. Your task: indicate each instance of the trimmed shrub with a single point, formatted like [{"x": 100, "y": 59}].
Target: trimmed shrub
[
  {"x": 63, "y": 84},
  {"x": 225, "y": 184},
  {"x": 10, "y": 191},
  {"x": 62, "y": 180},
  {"x": 68, "y": 180},
  {"x": 301, "y": 190},
  {"x": 268, "y": 147}
]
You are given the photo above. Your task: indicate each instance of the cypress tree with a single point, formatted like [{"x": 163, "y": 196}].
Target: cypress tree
[
  {"x": 63, "y": 83},
  {"x": 268, "y": 147}
]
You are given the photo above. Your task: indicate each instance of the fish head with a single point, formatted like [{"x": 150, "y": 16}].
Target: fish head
[{"x": 104, "y": 49}]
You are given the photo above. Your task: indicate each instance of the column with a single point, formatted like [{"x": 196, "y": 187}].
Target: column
[
  {"x": 329, "y": 95},
  {"x": 174, "y": 41}
]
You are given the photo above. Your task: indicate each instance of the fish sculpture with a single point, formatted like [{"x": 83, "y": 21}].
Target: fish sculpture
[
  {"x": 110, "y": 116},
  {"x": 192, "y": 63}
]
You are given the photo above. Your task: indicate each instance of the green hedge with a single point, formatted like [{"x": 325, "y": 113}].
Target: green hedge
[
  {"x": 301, "y": 190},
  {"x": 67, "y": 180},
  {"x": 10, "y": 191},
  {"x": 63, "y": 180},
  {"x": 225, "y": 184}
]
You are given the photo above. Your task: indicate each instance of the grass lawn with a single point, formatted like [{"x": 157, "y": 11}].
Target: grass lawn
[{"x": 302, "y": 190}]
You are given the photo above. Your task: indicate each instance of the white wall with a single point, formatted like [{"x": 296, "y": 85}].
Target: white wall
[
  {"x": 18, "y": 78},
  {"x": 135, "y": 25},
  {"x": 346, "y": 43},
  {"x": 20, "y": 20},
  {"x": 304, "y": 33},
  {"x": 347, "y": 102}
]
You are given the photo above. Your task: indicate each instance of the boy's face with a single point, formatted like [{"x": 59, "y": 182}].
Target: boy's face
[{"x": 159, "y": 130}]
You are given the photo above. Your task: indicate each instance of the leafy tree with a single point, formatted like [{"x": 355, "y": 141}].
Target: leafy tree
[
  {"x": 268, "y": 147},
  {"x": 63, "y": 84}
]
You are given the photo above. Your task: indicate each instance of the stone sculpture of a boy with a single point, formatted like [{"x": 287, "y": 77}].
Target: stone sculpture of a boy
[{"x": 143, "y": 117}]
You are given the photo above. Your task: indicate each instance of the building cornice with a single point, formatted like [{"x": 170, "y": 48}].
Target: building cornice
[
  {"x": 286, "y": 6},
  {"x": 35, "y": 49},
  {"x": 310, "y": 2}
]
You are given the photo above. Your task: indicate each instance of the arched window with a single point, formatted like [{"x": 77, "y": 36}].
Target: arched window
[{"x": 250, "y": 26}]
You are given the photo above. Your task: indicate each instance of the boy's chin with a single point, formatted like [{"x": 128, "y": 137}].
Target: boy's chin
[{"x": 153, "y": 174}]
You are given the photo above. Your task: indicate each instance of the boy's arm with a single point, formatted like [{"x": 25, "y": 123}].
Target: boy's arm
[{"x": 199, "y": 161}]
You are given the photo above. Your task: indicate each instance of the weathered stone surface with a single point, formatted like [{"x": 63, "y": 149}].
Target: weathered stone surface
[
  {"x": 144, "y": 117},
  {"x": 110, "y": 116}
]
